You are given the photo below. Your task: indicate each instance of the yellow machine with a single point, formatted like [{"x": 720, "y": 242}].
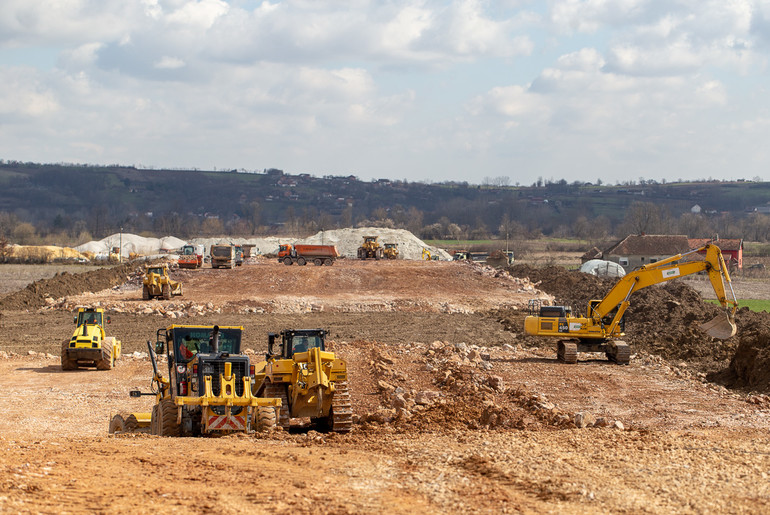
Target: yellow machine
[
  {"x": 89, "y": 346},
  {"x": 208, "y": 390},
  {"x": 158, "y": 283},
  {"x": 370, "y": 249},
  {"x": 605, "y": 319},
  {"x": 391, "y": 250},
  {"x": 310, "y": 381}
]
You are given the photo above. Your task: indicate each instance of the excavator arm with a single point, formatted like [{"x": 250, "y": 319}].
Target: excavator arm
[{"x": 617, "y": 300}]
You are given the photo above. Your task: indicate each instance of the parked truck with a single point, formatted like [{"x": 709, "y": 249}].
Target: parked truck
[
  {"x": 304, "y": 254},
  {"x": 222, "y": 256},
  {"x": 191, "y": 256}
]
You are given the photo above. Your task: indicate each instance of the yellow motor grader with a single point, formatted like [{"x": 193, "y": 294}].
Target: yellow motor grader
[
  {"x": 158, "y": 283},
  {"x": 208, "y": 389},
  {"x": 605, "y": 318},
  {"x": 311, "y": 381},
  {"x": 89, "y": 345}
]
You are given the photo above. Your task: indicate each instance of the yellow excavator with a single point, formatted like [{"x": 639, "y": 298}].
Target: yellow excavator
[{"x": 596, "y": 331}]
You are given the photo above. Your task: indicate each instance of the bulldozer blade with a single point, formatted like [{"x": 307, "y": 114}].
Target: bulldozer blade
[{"x": 721, "y": 327}]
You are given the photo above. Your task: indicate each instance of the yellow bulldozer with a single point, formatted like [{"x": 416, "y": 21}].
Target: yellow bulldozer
[
  {"x": 370, "y": 249},
  {"x": 157, "y": 283},
  {"x": 391, "y": 250},
  {"x": 605, "y": 318},
  {"x": 311, "y": 381},
  {"x": 208, "y": 389},
  {"x": 89, "y": 345}
]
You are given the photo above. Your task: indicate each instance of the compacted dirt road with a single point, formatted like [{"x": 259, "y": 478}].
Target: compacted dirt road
[{"x": 452, "y": 411}]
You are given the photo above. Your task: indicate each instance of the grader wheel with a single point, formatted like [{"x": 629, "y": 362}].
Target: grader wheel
[
  {"x": 66, "y": 363},
  {"x": 106, "y": 362},
  {"x": 123, "y": 423},
  {"x": 166, "y": 424},
  {"x": 264, "y": 418}
]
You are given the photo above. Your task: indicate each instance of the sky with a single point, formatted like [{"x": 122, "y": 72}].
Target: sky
[{"x": 433, "y": 91}]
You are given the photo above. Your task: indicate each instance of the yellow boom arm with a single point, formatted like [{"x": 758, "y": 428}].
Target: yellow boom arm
[{"x": 662, "y": 271}]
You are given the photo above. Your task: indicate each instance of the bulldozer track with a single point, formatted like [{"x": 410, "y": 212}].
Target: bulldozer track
[
  {"x": 621, "y": 353},
  {"x": 342, "y": 409},
  {"x": 278, "y": 391},
  {"x": 567, "y": 351}
]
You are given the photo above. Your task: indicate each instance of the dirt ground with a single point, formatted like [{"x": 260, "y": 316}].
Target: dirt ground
[{"x": 500, "y": 433}]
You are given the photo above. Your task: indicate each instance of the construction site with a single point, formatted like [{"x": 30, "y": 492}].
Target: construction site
[{"x": 449, "y": 402}]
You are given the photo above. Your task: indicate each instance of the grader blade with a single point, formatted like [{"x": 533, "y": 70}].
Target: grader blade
[{"x": 721, "y": 327}]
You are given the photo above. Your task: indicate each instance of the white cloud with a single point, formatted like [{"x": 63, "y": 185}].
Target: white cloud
[{"x": 428, "y": 87}]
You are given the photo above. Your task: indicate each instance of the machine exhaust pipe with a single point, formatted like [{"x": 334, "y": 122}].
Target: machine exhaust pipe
[{"x": 214, "y": 340}]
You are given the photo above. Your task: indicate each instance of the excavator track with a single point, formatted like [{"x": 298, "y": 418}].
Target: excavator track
[
  {"x": 566, "y": 351},
  {"x": 619, "y": 352},
  {"x": 278, "y": 391},
  {"x": 342, "y": 409}
]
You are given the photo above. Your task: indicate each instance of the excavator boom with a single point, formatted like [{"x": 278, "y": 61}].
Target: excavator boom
[{"x": 604, "y": 319}]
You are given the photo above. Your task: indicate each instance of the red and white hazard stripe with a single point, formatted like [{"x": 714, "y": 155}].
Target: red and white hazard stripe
[{"x": 225, "y": 423}]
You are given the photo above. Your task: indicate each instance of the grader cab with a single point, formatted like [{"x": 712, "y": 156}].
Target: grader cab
[{"x": 208, "y": 388}]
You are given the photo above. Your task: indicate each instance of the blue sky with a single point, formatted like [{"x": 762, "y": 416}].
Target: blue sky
[{"x": 425, "y": 91}]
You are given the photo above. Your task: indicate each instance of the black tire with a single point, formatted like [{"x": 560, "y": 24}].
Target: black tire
[
  {"x": 154, "y": 420},
  {"x": 328, "y": 261},
  {"x": 123, "y": 423},
  {"x": 167, "y": 418},
  {"x": 166, "y": 291},
  {"x": 301, "y": 261},
  {"x": 318, "y": 262},
  {"x": 117, "y": 424},
  {"x": 106, "y": 362},
  {"x": 265, "y": 418},
  {"x": 287, "y": 261},
  {"x": 66, "y": 363}
]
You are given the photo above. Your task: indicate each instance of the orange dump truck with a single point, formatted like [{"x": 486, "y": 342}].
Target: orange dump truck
[{"x": 304, "y": 254}]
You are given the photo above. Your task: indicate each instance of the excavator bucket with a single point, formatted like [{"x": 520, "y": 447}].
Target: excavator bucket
[{"x": 721, "y": 327}]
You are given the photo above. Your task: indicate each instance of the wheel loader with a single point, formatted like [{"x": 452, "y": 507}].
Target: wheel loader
[
  {"x": 310, "y": 381},
  {"x": 208, "y": 389},
  {"x": 605, "y": 319},
  {"x": 157, "y": 283},
  {"x": 89, "y": 346},
  {"x": 391, "y": 251},
  {"x": 370, "y": 249}
]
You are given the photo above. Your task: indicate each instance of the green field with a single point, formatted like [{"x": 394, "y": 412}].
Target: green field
[{"x": 752, "y": 304}]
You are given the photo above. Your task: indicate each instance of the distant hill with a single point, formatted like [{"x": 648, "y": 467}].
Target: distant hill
[{"x": 103, "y": 198}]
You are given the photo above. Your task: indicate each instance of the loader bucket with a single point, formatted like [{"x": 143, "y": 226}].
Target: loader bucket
[{"x": 721, "y": 327}]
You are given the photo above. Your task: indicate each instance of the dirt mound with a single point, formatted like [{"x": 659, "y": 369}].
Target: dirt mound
[
  {"x": 750, "y": 366},
  {"x": 64, "y": 284}
]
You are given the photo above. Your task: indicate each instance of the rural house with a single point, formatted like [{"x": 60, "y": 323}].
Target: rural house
[
  {"x": 732, "y": 249},
  {"x": 641, "y": 249}
]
